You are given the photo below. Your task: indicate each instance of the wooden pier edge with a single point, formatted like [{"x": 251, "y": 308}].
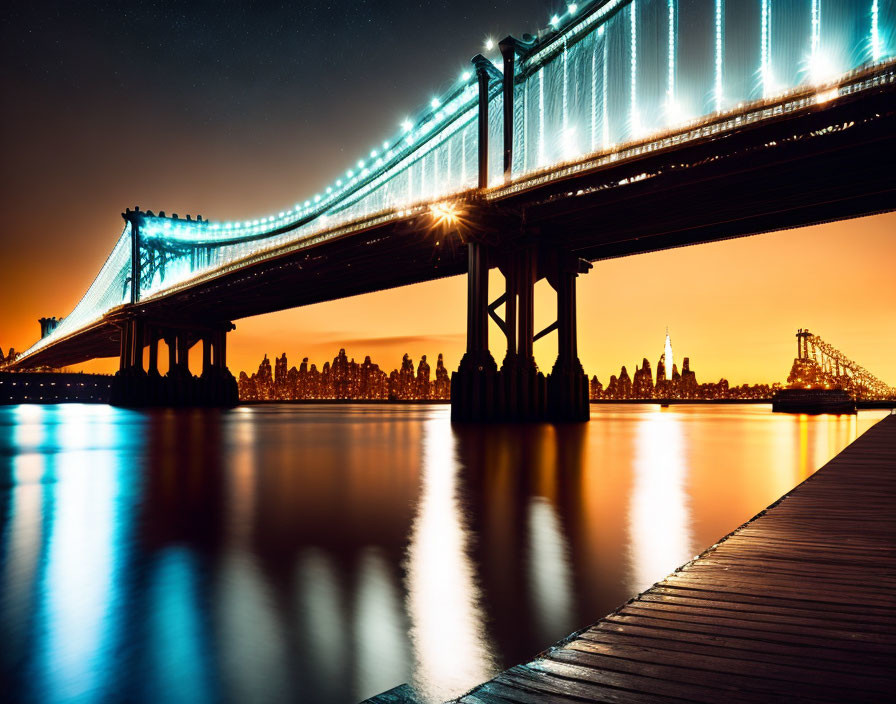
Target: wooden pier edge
[{"x": 796, "y": 604}]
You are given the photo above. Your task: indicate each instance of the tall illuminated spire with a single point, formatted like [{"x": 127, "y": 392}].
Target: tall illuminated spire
[{"x": 668, "y": 356}]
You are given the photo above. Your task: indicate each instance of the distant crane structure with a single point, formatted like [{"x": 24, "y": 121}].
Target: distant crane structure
[{"x": 819, "y": 364}]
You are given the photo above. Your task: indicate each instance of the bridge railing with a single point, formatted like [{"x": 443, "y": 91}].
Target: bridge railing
[
  {"x": 433, "y": 157},
  {"x": 603, "y": 74},
  {"x": 629, "y": 68},
  {"x": 109, "y": 289}
]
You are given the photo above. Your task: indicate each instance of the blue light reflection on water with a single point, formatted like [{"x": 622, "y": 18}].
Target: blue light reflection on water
[
  {"x": 324, "y": 554},
  {"x": 61, "y": 469}
]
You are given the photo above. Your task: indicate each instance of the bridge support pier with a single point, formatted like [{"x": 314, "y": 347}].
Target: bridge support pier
[
  {"x": 473, "y": 384},
  {"x": 519, "y": 392},
  {"x": 134, "y": 387},
  {"x": 567, "y": 382}
]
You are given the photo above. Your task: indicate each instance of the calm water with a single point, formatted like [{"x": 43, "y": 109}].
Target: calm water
[{"x": 327, "y": 553}]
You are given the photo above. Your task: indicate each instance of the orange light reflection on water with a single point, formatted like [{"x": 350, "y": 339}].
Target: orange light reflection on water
[
  {"x": 447, "y": 623},
  {"x": 659, "y": 517}
]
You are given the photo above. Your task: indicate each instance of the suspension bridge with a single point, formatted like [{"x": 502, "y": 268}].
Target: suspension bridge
[
  {"x": 624, "y": 126},
  {"x": 820, "y": 366}
]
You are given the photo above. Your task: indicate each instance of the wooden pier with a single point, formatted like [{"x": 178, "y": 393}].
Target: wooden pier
[{"x": 797, "y": 605}]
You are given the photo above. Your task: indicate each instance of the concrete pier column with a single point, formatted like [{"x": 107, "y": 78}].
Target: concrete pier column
[
  {"x": 221, "y": 389},
  {"x": 477, "y": 300},
  {"x": 511, "y": 285},
  {"x": 220, "y": 349},
  {"x": 153, "y": 352},
  {"x": 171, "y": 342},
  {"x": 130, "y": 385},
  {"x": 207, "y": 341},
  {"x": 124, "y": 347},
  {"x": 521, "y": 387},
  {"x": 567, "y": 333},
  {"x": 527, "y": 272},
  {"x": 138, "y": 331},
  {"x": 183, "y": 352},
  {"x": 472, "y": 385},
  {"x": 567, "y": 383}
]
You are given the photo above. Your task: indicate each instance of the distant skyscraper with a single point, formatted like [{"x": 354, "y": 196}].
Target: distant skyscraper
[{"x": 669, "y": 361}]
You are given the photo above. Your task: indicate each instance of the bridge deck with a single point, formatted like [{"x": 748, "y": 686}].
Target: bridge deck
[{"x": 795, "y": 605}]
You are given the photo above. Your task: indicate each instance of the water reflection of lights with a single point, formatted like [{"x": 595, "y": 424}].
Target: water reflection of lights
[
  {"x": 29, "y": 436},
  {"x": 320, "y": 595},
  {"x": 804, "y": 467},
  {"x": 550, "y": 576},
  {"x": 29, "y": 464},
  {"x": 659, "y": 521},
  {"x": 253, "y": 664},
  {"x": 382, "y": 656},
  {"x": 22, "y": 551},
  {"x": 241, "y": 488},
  {"x": 79, "y": 578},
  {"x": 179, "y": 669},
  {"x": 74, "y": 427},
  {"x": 447, "y": 634}
]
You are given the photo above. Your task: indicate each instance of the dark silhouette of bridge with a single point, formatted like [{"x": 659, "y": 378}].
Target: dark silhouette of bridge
[{"x": 626, "y": 126}]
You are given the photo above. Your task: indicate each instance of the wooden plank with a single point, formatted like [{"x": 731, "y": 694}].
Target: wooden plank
[
  {"x": 735, "y": 642},
  {"x": 799, "y": 604},
  {"x": 728, "y": 649},
  {"x": 819, "y": 632},
  {"x": 774, "y": 669},
  {"x": 697, "y": 625},
  {"x": 684, "y": 673},
  {"x": 787, "y": 618},
  {"x": 778, "y": 601},
  {"x": 535, "y": 679},
  {"x": 886, "y": 620}
]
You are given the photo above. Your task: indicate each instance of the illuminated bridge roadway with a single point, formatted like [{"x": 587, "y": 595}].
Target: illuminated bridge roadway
[{"x": 625, "y": 126}]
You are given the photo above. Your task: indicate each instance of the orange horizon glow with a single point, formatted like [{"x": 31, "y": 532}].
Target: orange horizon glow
[{"x": 732, "y": 307}]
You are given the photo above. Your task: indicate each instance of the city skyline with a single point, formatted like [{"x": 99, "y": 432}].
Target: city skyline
[{"x": 343, "y": 378}]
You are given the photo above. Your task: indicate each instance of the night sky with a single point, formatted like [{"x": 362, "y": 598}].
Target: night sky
[
  {"x": 234, "y": 112},
  {"x": 230, "y": 110},
  {"x": 129, "y": 105}
]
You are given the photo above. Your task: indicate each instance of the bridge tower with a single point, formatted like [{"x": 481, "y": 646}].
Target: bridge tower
[
  {"x": 135, "y": 385},
  {"x": 518, "y": 391}
]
